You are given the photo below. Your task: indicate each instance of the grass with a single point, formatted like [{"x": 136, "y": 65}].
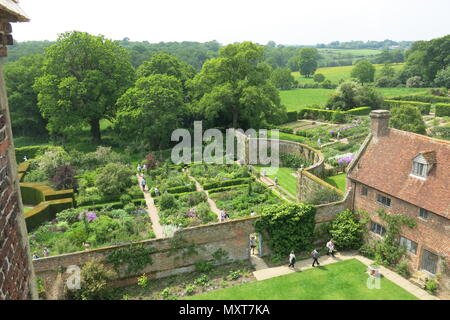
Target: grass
[
  {"x": 286, "y": 179},
  {"x": 335, "y": 74},
  {"x": 299, "y": 98},
  {"x": 346, "y": 280},
  {"x": 338, "y": 181}
]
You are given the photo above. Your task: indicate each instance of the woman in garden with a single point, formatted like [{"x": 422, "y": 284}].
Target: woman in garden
[
  {"x": 315, "y": 256},
  {"x": 143, "y": 184},
  {"x": 291, "y": 260},
  {"x": 252, "y": 245},
  {"x": 330, "y": 246}
]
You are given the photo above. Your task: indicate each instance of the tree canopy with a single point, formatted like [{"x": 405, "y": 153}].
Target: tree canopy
[
  {"x": 351, "y": 94},
  {"x": 364, "y": 71},
  {"x": 407, "y": 118},
  {"x": 83, "y": 77},
  {"x": 308, "y": 61},
  {"x": 235, "y": 88},
  {"x": 282, "y": 78}
]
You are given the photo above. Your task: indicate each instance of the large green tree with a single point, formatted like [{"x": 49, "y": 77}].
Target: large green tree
[
  {"x": 20, "y": 76},
  {"x": 150, "y": 111},
  {"x": 364, "y": 71},
  {"x": 83, "y": 77},
  {"x": 235, "y": 88},
  {"x": 351, "y": 94},
  {"x": 407, "y": 118},
  {"x": 282, "y": 78},
  {"x": 308, "y": 61}
]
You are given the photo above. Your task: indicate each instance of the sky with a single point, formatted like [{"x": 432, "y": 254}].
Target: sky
[{"x": 228, "y": 21}]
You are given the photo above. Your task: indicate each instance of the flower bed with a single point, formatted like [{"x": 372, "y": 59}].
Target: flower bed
[
  {"x": 215, "y": 174},
  {"x": 239, "y": 202},
  {"x": 77, "y": 229},
  {"x": 185, "y": 210}
]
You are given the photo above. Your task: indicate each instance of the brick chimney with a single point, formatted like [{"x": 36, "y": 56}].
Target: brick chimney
[{"x": 380, "y": 122}]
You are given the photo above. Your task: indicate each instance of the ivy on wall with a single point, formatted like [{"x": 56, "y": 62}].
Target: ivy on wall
[{"x": 135, "y": 257}]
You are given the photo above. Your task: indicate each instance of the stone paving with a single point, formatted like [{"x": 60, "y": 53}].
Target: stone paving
[
  {"x": 152, "y": 212},
  {"x": 263, "y": 273},
  {"x": 210, "y": 201}
]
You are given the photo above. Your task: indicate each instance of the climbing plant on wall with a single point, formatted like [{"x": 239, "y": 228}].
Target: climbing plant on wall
[{"x": 289, "y": 226}]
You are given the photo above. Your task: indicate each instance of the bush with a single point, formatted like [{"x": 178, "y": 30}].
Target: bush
[
  {"x": 407, "y": 118},
  {"x": 226, "y": 183},
  {"x": 402, "y": 269},
  {"x": 190, "y": 289},
  {"x": 95, "y": 282},
  {"x": 125, "y": 199},
  {"x": 431, "y": 286},
  {"x": 202, "y": 280},
  {"x": 69, "y": 215},
  {"x": 234, "y": 275},
  {"x": 367, "y": 250},
  {"x": 290, "y": 226},
  {"x": 423, "y": 107},
  {"x": 422, "y": 98},
  {"x": 291, "y": 160},
  {"x": 181, "y": 189},
  {"x": 347, "y": 230},
  {"x": 318, "y": 77},
  {"x": 414, "y": 82},
  {"x": 203, "y": 266},
  {"x": 167, "y": 201},
  {"x": 114, "y": 179},
  {"x": 292, "y": 116},
  {"x": 361, "y": 111},
  {"x": 442, "y": 110},
  {"x": 143, "y": 281}
]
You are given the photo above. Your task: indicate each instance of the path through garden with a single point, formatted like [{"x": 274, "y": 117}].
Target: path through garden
[
  {"x": 152, "y": 212},
  {"x": 210, "y": 201}
]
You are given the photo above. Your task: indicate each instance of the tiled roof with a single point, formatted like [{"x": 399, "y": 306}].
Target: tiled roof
[
  {"x": 386, "y": 165},
  {"x": 12, "y": 8}
]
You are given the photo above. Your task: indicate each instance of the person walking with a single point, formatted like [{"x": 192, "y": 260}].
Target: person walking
[
  {"x": 46, "y": 252},
  {"x": 156, "y": 191},
  {"x": 315, "y": 255},
  {"x": 139, "y": 168},
  {"x": 291, "y": 260},
  {"x": 222, "y": 216},
  {"x": 143, "y": 184},
  {"x": 252, "y": 245},
  {"x": 330, "y": 246}
]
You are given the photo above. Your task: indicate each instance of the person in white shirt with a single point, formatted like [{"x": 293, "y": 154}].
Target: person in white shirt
[
  {"x": 291, "y": 260},
  {"x": 330, "y": 246}
]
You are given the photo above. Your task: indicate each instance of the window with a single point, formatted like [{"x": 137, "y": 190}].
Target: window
[
  {"x": 383, "y": 200},
  {"x": 429, "y": 261},
  {"x": 364, "y": 191},
  {"x": 423, "y": 213},
  {"x": 409, "y": 245},
  {"x": 377, "y": 228},
  {"x": 419, "y": 169}
]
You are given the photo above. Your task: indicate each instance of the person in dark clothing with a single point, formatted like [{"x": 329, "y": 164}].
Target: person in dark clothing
[
  {"x": 315, "y": 255},
  {"x": 291, "y": 260}
]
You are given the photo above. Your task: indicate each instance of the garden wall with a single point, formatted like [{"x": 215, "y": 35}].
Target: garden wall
[
  {"x": 309, "y": 185},
  {"x": 231, "y": 236}
]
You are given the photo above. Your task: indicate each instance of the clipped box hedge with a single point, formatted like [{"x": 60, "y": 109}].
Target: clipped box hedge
[
  {"x": 292, "y": 116},
  {"x": 427, "y": 98},
  {"x": 223, "y": 189},
  {"x": 442, "y": 110},
  {"x": 32, "y": 151},
  {"x": 34, "y": 193},
  {"x": 226, "y": 183},
  {"x": 423, "y": 107},
  {"x": 361, "y": 111},
  {"x": 46, "y": 211}
]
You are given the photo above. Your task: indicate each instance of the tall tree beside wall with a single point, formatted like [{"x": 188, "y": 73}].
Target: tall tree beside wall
[{"x": 84, "y": 75}]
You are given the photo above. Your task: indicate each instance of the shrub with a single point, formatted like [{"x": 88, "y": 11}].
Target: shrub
[
  {"x": 151, "y": 161},
  {"x": 226, "y": 183},
  {"x": 234, "y": 275},
  {"x": 190, "y": 289},
  {"x": 442, "y": 109},
  {"x": 414, "y": 82},
  {"x": 367, "y": 250},
  {"x": 52, "y": 160},
  {"x": 125, "y": 199},
  {"x": 143, "y": 281},
  {"x": 64, "y": 178},
  {"x": 167, "y": 201},
  {"x": 290, "y": 226},
  {"x": 423, "y": 107},
  {"x": 203, "y": 266},
  {"x": 113, "y": 178},
  {"x": 318, "y": 77},
  {"x": 69, "y": 215},
  {"x": 347, "y": 230},
  {"x": 130, "y": 207},
  {"x": 431, "y": 286},
  {"x": 422, "y": 98},
  {"x": 202, "y": 280},
  {"x": 95, "y": 282},
  {"x": 292, "y": 116},
  {"x": 291, "y": 160},
  {"x": 408, "y": 118},
  {"x": 402, "y": 269},
  {"x": 166, "y": 293}
]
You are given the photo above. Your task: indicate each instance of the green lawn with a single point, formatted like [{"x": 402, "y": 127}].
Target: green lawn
[
  {"x": 297, "y": 98},
  {"x": 285, "y": 179},
  {"x": 335, "y": 74},
  {"x": 346, "y": 280},
  {"x": 338, "y": 181}
]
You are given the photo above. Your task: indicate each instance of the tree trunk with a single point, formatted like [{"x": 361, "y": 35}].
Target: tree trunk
[
  {"x": 235, "y": 120},
  {"x": 95, "y": 131}
]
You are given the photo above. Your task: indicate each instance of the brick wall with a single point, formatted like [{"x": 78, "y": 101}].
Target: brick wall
[
  {"x": 432, "y": 234},
  {"x": 16, "y": 273}
]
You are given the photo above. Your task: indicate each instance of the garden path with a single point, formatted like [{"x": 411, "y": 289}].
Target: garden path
[
  {"x": 152, "y": 212},
  {"x": 305, "y": 264},
  {"x": 210, "y": 201}
]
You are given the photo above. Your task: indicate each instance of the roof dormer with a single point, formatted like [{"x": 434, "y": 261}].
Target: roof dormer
[{"x": 423, "y": 163}]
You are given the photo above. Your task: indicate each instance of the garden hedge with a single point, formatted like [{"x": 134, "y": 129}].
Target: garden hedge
[
  {"x": 32, "y": 152},
  {"x": 226, "y": 183},
  {"x": 292, "y": 116},
  {"x": 442, "y": 110},
  {"x": 331, "y": 115},
  {"x": 114, "y": 205},
  {"x": 34, "y": 193},
  {"x": 103, "y": 199},
  {"x": 427, "y": 98},
  {"x": 361, "y": 111},
  {"x": 45, "y": 211},
  {"x": 223, "y": 189},
  {"x": 423, "y": 107},
  {"x": 181, "y": 189}
]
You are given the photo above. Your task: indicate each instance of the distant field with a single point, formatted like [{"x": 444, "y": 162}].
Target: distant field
[
  {"x": 355, "y": 52},
  {"x": 298, "y": 98},
  {"x": 335, "y": 74}
]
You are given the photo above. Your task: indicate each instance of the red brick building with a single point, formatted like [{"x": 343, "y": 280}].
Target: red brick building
[
  {"x": 16, "y": 269},
  {"x": 406, "y": 173}
]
